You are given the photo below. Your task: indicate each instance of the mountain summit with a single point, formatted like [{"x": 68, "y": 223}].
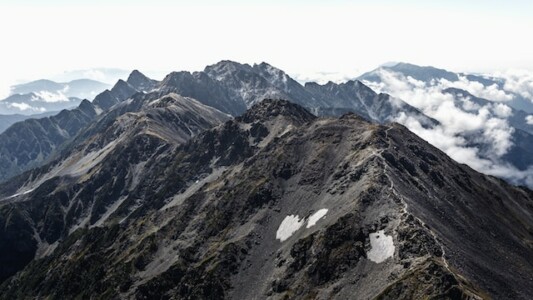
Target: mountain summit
[
  {"x": 271, "y": 108},
  {"x": 140, "y": 82}
]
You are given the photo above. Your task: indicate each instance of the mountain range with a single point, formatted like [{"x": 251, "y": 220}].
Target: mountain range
[
  {"x": 32, "y": 142},
  {"x": 149, "y": 203},
  {"x": 222, "y": 86},
  {"x": 498, "y": 142},
  {"x": 195, "y": 187},
  {"x": 45, "y": 96}
]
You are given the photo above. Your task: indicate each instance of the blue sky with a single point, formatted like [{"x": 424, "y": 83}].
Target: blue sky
[{"x": 305, "y": 38}]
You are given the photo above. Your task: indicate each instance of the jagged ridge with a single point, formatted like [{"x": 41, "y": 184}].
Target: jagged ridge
[{"x": 210, "y": 212}]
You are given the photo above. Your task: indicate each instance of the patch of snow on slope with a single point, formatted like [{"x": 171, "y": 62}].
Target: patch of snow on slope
[
  {"x": 19, "y": 194},
  {"x": 98, "y": 110},
  {"x": 316, "y": 216},
  {"x": 288, "y": 226},
  {"x": 382, "y": 247}
]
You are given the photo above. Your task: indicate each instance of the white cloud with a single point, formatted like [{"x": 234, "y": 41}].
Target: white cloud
[
  {"x": 95, "y": 75},
  {"x": 519, "y": 82},
  {"x": 469, "y": 105},
  {"x": 498, "y": 135},
  {"x": 478, "y": 136},
  {"x": 6, "y": 81},
  {"x": 21, "y": 106},
  {"x": 324, "y": 77},
  {"x": 25, "y": 107},
  {"x": 50, "y": 97},
  {"x": 502, "y": 110},
  {"x": 456, "y": 147},
  {"x": 529, "y": 119},
  {"x": 492, "y": 92}
]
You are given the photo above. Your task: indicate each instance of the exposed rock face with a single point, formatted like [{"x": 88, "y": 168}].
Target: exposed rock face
[
  {"x": 95, "y": 178},
  {"x": 204, "y": 220},
  {"x": 201, "y": 87},
  {"x": 140, "y": 82},
  {"x": 355, "y": 97},
  {"x": 232, "y": 87}
]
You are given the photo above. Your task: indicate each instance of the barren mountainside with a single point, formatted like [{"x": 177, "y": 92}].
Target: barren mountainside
[{"x": 276, "y": 203}]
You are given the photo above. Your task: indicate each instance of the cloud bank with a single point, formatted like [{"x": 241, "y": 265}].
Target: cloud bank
[
  {"x": 24, "y": 107},
  {"x": 50, "y": 97},
  {"x": 518, "y": 81},
  {"x": 472, "y": 133}
]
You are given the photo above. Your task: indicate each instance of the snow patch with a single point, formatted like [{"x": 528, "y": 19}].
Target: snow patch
[
  {"x": 98, "y": 110},
  {"x": 288, "y": 129},
  {"x": 382, "y": 247},
  {"x": 19, "y": 194},
  {"x": 288, "y": 226},
  {"x": 316, "y": 216}
]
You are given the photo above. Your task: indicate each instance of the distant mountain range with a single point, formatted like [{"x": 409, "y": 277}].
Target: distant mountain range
[
  {"x": 432, "y": 76},
  {"x": 107, "y": 75},
  {"x": 7, "y": 120},
  {"x": 32, "y": 142},
  {"x": 79, "y": 88},
  {"x": 32, "y": 103},
  {"x": 43, "y": 96}
]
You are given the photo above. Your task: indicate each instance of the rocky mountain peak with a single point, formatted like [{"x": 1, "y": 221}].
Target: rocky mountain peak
[
  {"x": 174, "y": 79},
  {"x": 275, "y": 75},
  {"x": 104, "y": 100},
  {"x": 123, "y": 89},
  {"x": 272, "y": 108},
  {"x": 265, "y": 66},
  {"x": 225, "y": 66},
  {"x": 140, "y": 81}
]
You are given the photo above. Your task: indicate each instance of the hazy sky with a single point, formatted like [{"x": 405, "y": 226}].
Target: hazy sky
[{"x": 301, "y": 37}]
